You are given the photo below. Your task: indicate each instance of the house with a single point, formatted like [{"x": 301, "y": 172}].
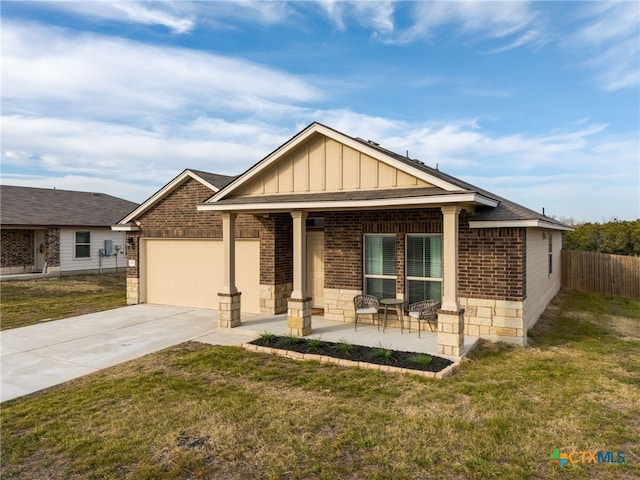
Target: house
[
  {"x": 60, "y": 232},
  {"x": 327, "y": 216}
]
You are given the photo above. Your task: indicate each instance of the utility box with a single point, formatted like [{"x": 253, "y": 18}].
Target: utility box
[{"x": 108, "y": 247}]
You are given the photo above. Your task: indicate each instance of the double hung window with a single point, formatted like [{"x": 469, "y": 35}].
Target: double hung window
[
  {"x": 380, "y": 265},
  {"x": 83, "y": 244},
  {"x": 424, "y": 268}
]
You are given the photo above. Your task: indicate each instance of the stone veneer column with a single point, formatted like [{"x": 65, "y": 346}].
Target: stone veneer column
[
  {"x": 299, "y": 304},
  {"x": 229, "y": 309},
  {"x": 133, "y": 291},
  {"x": 229, "y": 297},
  {"x": 450, "y": 316}
]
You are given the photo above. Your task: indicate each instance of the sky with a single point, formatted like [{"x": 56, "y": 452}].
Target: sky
[{"x": 538, "y": 102}]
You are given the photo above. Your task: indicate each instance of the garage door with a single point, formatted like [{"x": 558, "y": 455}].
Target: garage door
[{"x": 188, "y": 273}]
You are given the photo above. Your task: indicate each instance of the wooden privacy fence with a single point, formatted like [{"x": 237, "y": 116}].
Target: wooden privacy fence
[{"x": 615, "y": 275}]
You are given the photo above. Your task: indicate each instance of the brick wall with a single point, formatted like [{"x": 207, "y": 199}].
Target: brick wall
[
  {"x": 276, "y": 249},
  {"x": 343, "y": 240},
  {"x": 17, "y": 248},
  {"x": 176, "y": 216},
  {"x": 492, "y": 266},
  {"x": 492, "y": 262}
]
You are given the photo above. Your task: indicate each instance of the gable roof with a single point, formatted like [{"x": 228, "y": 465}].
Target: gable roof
[
  {"x": 315, "y": 129},
  {"x": 506, "y": 213},
  {"x": 491, "y": 210},
  {"x": 27, "y": 206},
  {"x": 213, "y": 181}
]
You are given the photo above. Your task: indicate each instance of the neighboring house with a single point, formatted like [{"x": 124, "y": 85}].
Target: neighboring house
[
  {"x": 60, "y": 231},
  {"x": 326, "y": 217}
]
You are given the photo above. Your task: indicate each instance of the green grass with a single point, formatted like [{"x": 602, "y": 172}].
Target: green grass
[
  {"x": 198, "y": 411},
  {"x": 27, "y": 302}
]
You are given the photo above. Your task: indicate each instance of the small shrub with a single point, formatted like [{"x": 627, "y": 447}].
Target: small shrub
[
  {"x": 315, "y": 343},
  {"x": 344, "y": 347},
  {"x": 421, "y": 359},
  {"x": 293, "y": 340},
  {"x": 268, "y": 338},
  {"x": 383, "y": 353}
]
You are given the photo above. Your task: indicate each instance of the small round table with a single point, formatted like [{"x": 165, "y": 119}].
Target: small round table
[{"x": 398, "y": 303}]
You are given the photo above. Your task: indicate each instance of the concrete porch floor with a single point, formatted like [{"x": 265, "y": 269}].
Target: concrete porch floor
[{"x": 368, "y": 335}]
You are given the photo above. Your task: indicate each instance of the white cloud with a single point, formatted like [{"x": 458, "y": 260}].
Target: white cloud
[
  {"x": 180, "y": 17},
  {"x": 610, "y": 32},
  {"x": 148, "y": 13},
  {"x": 94, "y": 76},
  {"x": 144, "y": 160},
  {"x": 476, "y": 18},
  {"x": 530, "y": 37},
  {"x": 376, "y": 15}
]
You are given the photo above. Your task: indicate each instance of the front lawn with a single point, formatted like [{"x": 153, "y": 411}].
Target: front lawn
[
  {"x": 25, "y": 302},
  {"x": 199, "y": 411}
]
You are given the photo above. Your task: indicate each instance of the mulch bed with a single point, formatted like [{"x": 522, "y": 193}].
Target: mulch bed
[{"x": 356, "y": 353}]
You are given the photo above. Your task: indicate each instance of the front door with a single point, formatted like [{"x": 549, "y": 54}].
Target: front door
[
  {"x": 315, "y": 268},
  {"x": 39, "y": 250}
]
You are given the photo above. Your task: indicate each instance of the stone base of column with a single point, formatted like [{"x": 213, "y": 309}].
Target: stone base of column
[
  {"x": 229, "y": 309},
  {"x": 451, "y": 333},
  {"x": 133, "y": 291},
  {"x": 299, "y": 316}
]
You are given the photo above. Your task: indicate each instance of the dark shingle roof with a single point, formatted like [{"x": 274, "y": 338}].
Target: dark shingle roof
[
  {"x": 338, "y": 196},
  {"x": 51, "y": 207},
  {"x": 506, "y": 209},
  {"x": 216, "y": 179}
]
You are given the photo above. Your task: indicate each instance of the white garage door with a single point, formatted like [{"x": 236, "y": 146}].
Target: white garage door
[{"x": 188, "y": 273}]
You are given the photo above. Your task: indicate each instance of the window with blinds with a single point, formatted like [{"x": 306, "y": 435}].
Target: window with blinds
[
  {"x": 83, "y": 245},
  {"x": 380, "y": 265},
  {"x": 424, "y": 267}
]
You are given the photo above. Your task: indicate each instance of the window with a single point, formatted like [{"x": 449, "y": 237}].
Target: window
[
  {"x": 83, "y": 245},
  {"x": 424, "y": 268},
  {"x": 380, "y": 265},
  {"x": 550, "y": 237}
]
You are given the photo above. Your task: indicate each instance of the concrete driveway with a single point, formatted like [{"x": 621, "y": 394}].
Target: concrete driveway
[{"x": 43, "y": 355}]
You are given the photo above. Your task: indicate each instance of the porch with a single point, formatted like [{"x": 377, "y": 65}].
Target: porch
[{"x": 253, "y": 326}]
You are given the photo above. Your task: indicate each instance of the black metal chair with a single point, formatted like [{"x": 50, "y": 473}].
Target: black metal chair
[
  {"x": 366, "y": 305},
  {"x": 425, "y": 311}
]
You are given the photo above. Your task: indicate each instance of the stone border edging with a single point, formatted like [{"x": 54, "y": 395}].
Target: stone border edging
[{"x": 445, "y": 372}]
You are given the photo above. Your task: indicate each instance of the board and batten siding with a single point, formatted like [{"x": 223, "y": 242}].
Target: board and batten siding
[
  {"x": 541, "y": 286},
  {"x": 324, "y": 165},
  {"x": 68, "y": 262}
]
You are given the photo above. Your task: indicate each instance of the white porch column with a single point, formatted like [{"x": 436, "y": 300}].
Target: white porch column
[
  {"x": 299, "y": 254},
  {"x": 229, "y": 296},
  {"x": 450, "y": 216},
  {"x": 299, "y": 304},
  {"x": 450, "y": 315}
]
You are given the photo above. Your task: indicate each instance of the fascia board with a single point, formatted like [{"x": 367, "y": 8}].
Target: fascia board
[
  {"x": 338, "y": 137},
  {"x": 519, "y": 223},
  {"x": 264, "y": 163},
  {"x": 467, "y": 198},
  {"x": 164, "y": 191},
  {"x": 125, "y": 228}
]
